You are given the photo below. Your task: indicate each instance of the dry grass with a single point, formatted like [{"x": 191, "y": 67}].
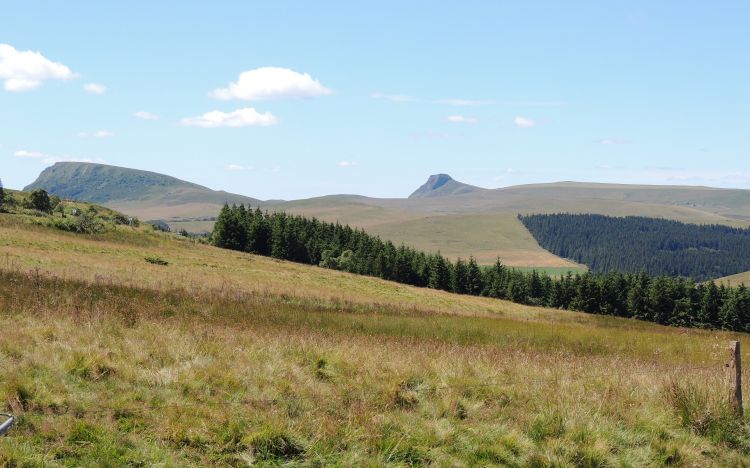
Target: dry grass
[
  {"x": 221, "y": 358},
  {"x": 736, "y": 280}
]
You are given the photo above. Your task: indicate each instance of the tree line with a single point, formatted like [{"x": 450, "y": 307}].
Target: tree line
[
  {"x": 677, "y": 301},
  {"x": 633, "y": 244}
]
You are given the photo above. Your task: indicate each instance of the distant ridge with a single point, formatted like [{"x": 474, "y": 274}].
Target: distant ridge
[
  {"x": 128, "y": 189},
  {"x": 439, "y": 185},
  {"x": 457, "y": 219}
]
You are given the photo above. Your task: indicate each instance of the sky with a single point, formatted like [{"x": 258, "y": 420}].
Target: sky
[{"x": 286, "y": 100}]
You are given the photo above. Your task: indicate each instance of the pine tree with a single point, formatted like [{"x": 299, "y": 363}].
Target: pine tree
[
  {"x": 230, "y": 231},
  {"x": 439, "y": 275},
  {"x": 459, "y": 279},
  {"x": 474, "y": 283},
  {"x": 710, "y": 304}
]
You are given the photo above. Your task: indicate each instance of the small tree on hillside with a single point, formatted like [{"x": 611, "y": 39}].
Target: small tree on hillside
[
  {"x": 39, "y": 200},
  {"x": 2, "y": 195}
]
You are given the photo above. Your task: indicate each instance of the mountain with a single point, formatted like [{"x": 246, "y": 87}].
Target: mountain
[
  {"x": 146, "y": 194},
  {"x": 441, "y": 185},
  {"x": 443, "y": 214}
]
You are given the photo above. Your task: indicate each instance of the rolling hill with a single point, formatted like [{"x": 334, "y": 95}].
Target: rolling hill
[
  {"x": 145, "y": 194},
  {"x": 217, "y": 357},
  {"x": 443, "y": 214}
]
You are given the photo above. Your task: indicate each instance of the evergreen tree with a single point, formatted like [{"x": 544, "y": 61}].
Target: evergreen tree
[
  {"x": 39, "y": 200},
  {"x": 474, "y": 282},
  {"x": 460, "y": 277},
  {"x": 230, "y": 231},
  {"x": 710, "y": 304},
  {"x": 666, "y": 300},
  {"x": 439, "y": 275}
]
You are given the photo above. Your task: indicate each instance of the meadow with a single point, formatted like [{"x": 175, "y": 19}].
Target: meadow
[{"x": 134, "y": 347}]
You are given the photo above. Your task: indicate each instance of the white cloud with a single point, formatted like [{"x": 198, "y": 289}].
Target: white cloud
[
  {"x": 613, "y": 141},
  {"x": 146, "y": 115},
  {"x": 49, "y": 159},
  {"x": 393, "y": 97},
  {"x": 524, "y": 122},
  {"x": 96, "y": 134},
  {"x": 238, "y": 167},
  {"x": 462, "y": 119},
  {"x": 271, "y": 83},
  {"x": 247, "y": 117},
  {"x": 348, "y": 164},
  {"x": 463, "y": 102},
  {"x": 95, "y": 88},
  {"x": 28, "y": 154},
  {"x": 428, "y": 135},
  {"x": 26, "y": 70}
]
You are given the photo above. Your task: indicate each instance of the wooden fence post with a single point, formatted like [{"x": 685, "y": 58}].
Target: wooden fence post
[{"x": 735, "y": 377}]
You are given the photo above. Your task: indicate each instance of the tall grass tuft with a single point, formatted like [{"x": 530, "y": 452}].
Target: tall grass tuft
[{"x": 707, "y": 414}]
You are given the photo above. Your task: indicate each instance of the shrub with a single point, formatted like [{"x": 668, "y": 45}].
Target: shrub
[
  {"x": 82, "y": 224},
  {"x": 119, "y": 218},
  {"x": 159, "y": 225},
  {"x": 39, "y": 200},
  {"x": 154, "y": 260}
]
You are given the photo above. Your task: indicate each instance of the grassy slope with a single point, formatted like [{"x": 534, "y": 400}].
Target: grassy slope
[
  {"x": 145, "y": 194},
  {"x": 223, "y": 357},
  {"x": 739, "y": 278},
  {"x": 484, "y": 224},
  {"x": 480, "y": 223}
]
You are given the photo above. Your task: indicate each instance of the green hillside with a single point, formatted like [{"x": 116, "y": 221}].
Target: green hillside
[
  {"x": 145, "y": 194},
  {"x": 220, "y": 358},
  {"x": 446, "y": 215}
]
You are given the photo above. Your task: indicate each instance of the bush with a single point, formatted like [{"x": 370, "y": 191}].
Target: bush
[
  {"x": 159, "y": 225},
  {"x": 83, "y": 224},
  {"x": 154, "y": 260},
  {"x": 39, "y": 200}
]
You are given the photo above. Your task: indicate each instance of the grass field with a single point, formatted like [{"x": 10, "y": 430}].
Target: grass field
[
  {"x": 736, "y": 280},
  {"x": 224, "y": 358}
]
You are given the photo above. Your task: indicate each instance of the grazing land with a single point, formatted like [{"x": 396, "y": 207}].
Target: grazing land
[{"x": 214, "y": 357}]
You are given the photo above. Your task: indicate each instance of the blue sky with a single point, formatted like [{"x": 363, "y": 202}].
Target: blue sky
[{"x": 371, "y": 98}]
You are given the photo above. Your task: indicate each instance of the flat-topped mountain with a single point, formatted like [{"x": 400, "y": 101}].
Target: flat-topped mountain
[
  {"x": 149, "y": 195},
  {"x": 439, "y": 185}
]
